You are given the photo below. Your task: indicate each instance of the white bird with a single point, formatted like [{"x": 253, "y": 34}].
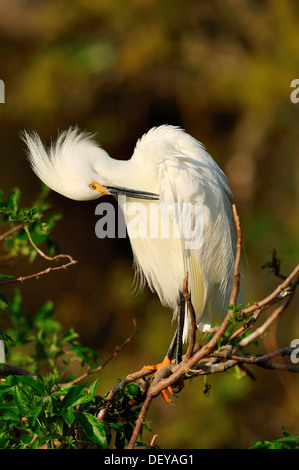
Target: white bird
[
  {"x": 168, "y": 168},
  {"x": 2, "y": 351}
]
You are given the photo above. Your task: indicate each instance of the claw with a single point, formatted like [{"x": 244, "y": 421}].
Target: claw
[
  {"x": 166, "y": 361},
  {"x": 165, "y": 396}
]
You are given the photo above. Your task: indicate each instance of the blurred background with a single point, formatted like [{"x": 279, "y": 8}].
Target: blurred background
[{"x": 222, "y": 70}]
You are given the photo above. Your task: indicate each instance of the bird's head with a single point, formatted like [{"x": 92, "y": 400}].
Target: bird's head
[
  {"x": 68, "y": 165},
  {"x": 76, "y": 167}
]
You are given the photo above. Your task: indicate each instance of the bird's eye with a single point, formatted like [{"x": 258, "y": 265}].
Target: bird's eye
[{"x": 92, "y": 186}]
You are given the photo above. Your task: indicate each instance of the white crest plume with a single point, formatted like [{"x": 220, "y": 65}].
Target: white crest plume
[{"x": 67, "y": 163}]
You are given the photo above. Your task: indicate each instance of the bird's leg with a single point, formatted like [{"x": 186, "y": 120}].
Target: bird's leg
[
  {"x": 172, "y": 346},
  {"x": 180, "y": 327},
  {"x": 166, "y": 361},
  {"x": 176, "y": 343}
]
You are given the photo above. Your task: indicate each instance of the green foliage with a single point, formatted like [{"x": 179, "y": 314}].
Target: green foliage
[
  {"x": 288, "y": 441},
  {"x": 41, "y": 406},
  {"x": 39, "y": 342},
  {"x": 37, "y": 411},
  {"x": 37, "y": 219}
]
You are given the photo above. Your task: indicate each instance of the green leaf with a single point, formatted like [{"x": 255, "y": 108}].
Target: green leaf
[
  {"x": 285, "y": 433},
  {"x": 2, "y": 276},
  {"x": 33, "y": 383},
  {"x": 78, "y": 395},
  {"x": 91, "y": 391},
  {"x": 132, "y": 390},
  {"x": 45, "y": 311},
  {"x": 69, "y": 336},
  {"x": 4, "y": 209},
  {"x": 3, "y": 301},
  {"x": 7, "y": 339},
  {"x": 44, "y": 319},
  {"x": 12, "y": 414},
  {"x": 83, "y": 353},
  {"x": 23, "y": 401},
  {"x": 68, "y": 415},
  {"x": 4, "y": 388},
  {"x": 14, "y": 199},
  {"x": 15, "y": 303},
  {"x": 93, "y": 428},
  {"x": 51, "y": 437},
  {"x": 73, "y": 396},
  {"x": 27, "y": 438},
  {"x": 219, "y": 342}
]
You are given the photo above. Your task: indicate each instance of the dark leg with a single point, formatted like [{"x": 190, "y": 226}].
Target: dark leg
[
  {"x": 176, "y": 343},
  {"x": 172, "y": 345},
  {"x": 177, "y": 340}
]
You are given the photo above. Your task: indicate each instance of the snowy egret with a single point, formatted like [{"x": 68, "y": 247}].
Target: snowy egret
[{"x": 167, "y": 167}]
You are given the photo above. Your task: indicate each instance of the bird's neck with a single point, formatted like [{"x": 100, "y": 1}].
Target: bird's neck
[{"x": 125, "y": 173}]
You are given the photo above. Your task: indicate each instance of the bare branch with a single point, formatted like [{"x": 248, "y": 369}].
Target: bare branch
[
  {"x": 21, "y": 279},
  {"x": 10, "y": 231},
  {"x": 261, "y": 330},
  {"x": 236, "y": 286},
  {"x": 275, "y": 296},
  {"x": 8, "y": 369},
  {"x": 116, "y": 351},
  {"x": 140, "y": 420}
]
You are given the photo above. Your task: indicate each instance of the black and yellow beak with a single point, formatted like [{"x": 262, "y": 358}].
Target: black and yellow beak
[{"x": 119, "y": 190}]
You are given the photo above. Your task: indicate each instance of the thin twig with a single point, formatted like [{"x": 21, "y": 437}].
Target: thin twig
[
  {"x": 275, "y": 265},
  {"x": 21, "y": 279},
  {"x": 140, "y": 374},
  {"x": 236, "y": 286},
  {"x": 153, "y": 440},
  {"x": 218, "y": 367},
  {"x": 9, "y": 369},
  {"x": 116, "y": 351},
  {"x": 206, "y": 369},
  {"x": 10, "y": 231},
  {"x": 275, "y": 295},
  {"x": 140, "y": 420},
  {"x": 261, "y": 330},
  {"x": 164, "y": 372},
  {"x": 258, "y": 360}
]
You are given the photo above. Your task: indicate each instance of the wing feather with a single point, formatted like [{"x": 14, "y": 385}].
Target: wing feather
[
  {"x": 196, "y": 180},
  {"x": 186, "y": 174}
]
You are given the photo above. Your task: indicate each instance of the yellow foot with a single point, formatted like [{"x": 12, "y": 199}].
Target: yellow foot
[{"x": 166, "y": 361}]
